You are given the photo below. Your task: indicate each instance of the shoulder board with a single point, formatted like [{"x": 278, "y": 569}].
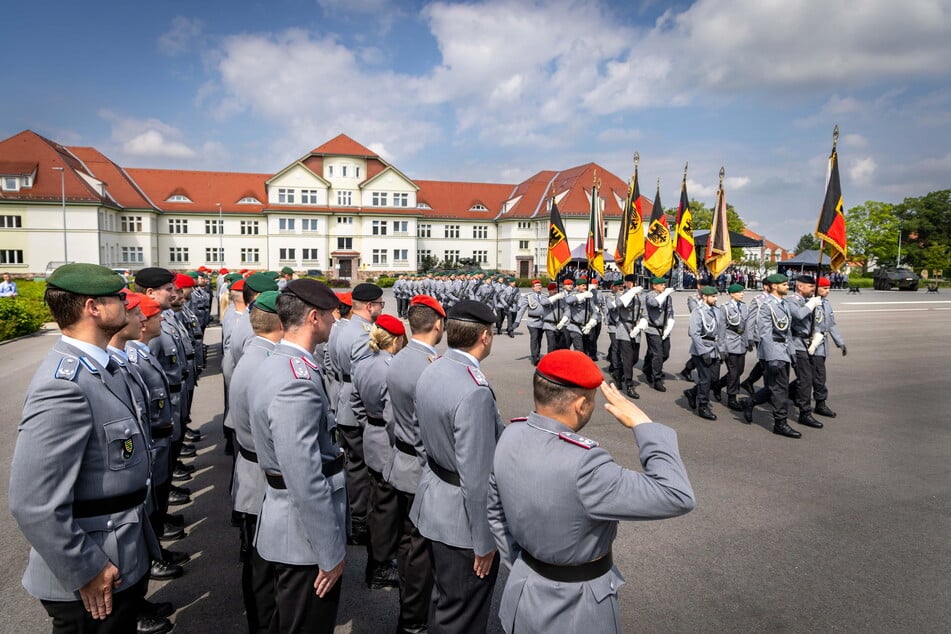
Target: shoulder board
[
  {"x": 133, "y": 355},
  {"x": 299, "y": 368},
  {"x": 310, "y": 363},
  {"x": 581, "y": 441},
  {"x": 67, "y": 368},
  {"x": 366, "y": 327},
  {"x": 86, "y": 364},
  {"x": 518, "y": 419},
  {"x": 477, "y": 376}
]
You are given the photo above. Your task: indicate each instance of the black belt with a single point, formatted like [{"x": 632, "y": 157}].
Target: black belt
[
  {"x": 404, "y": 446},
  {"x": 162, "y": 432},
  {"x": 570, "y": 574},
  {"x": 276, "y": 480},
  {"x": 346, "y": 378},
  {"x": 175, "y": 389},
  {"x": 450, "y": 477},
  {"x": 108, "y": 506},
  {"x": 190, "y": 356},
  {"x": 248, "y": 455},
  {"x": 376, "y": 422}
]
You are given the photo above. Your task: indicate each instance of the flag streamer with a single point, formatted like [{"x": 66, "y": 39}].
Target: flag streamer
[{"x": 718, "y": 256}]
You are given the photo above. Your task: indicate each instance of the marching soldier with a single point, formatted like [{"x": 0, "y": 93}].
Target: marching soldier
[
  {"x": 583, "y": 316},
  {"x": 735, "y": 342},
  {"x": 803, "y": 307},
  {"x": 706, "y": 332},
  {"x": 694, "y": 301},
  {"x": 631, "y": 323},
  {"x": 660, "y": 322},
  {"x": 555, "y": 500},
  {"x": 752, "y": 334},
  {"x": 554, "y": 307},
  {"x": 505, "y": 297},
  {"x": 827, "y": 326},
  {"x": 534, "y": 305},
  {"x": 610, "y": 322}
]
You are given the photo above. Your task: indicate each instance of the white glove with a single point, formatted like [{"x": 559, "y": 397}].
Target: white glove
[
  {"x": 813, "y": 303},
  {"x": 556, "y": 296},
  {"x": 817, "y": 338},
  {"x": 628, "y": 296},
  {"x": 562, "y": 323},
  {"x": 668, "y": 328},
  {"x": 664, "y": 295},
  {"x": 585, "y": 295},
  {"x": 588, "y": 326},
  {"x": 639, "y": 327}
]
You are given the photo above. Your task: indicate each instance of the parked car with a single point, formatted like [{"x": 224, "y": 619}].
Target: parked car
[
  {"x": 52, "y": 266},
  {"x": 904, "y": 279},
  {"x": 315, "y": 273}
]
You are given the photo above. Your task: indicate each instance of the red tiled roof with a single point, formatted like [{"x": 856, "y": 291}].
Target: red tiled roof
[
  {"x": 454, "y": 200},
  {"x": 204, "y": 189},
  {"x": 47, "y": 184},
  {"x": 17, "y": 168},
  {"x": 118, "y": 184},
  {"x": 342, "y": 144}
]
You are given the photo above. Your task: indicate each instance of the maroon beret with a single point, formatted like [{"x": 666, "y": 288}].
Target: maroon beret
[
  {"x": 391, "y": 324},
  {"x": 431, "y": 302},
  {"x": 570, "y": 368}
]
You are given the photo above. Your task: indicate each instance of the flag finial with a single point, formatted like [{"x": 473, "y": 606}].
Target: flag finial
[
  {"x": 685, "y": 170},
  {"x": 595, "y": 181},
  {"x": 637, "y": 159},
  {"x": 658, "y": 183},
  {"x": 835, "y": 136},
  {"x": 722, "y": 174}
]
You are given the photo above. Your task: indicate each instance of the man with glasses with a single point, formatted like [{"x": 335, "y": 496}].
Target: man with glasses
[{"x": 81, "y": 469}]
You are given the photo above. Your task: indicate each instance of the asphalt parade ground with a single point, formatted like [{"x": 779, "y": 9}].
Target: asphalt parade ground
[{"x": 846, "y": 529}]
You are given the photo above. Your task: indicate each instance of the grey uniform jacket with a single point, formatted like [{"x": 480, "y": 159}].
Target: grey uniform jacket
[
  {"x": 160, "y": 409},
  {"x": 227, "y": 326},
  {"x": 802, "y": 321},
  {"x": 581, "y": 311},
  {"x": 734, "y": 314},
  {"x": 459, "y": 424},
  {"x": 752, "y": 317},
  {"x": 627, "y": 317},
  {"x": 306, "y": 523},
  {"x": 707, "y": 330},
  {"x": 534, "y": 305},
  {"x": 657, "y": 315},
  {"x": 825, "y": 323},
  {"x": 247, "y": 486},
  {"x": 168, "y": 350},
  {"x": 241, "y": 334},
  {"x": 405, "y": 369},
  {"x": 773, "y": 325},
  {"x": 351, "y": 343},
  {"x": 369, "y": 400},
  {"x": 561, "y": 503},
  {"x": 79, "y": 440}
]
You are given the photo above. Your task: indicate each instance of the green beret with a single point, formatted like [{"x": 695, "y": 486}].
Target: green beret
[
  {"x": 658, "y": 280},
  {"x": 233, "y": 277},
  {"x": 86, "y": 279},
  {"x": 267, "y": 301},
  {"x": 260, "y": 282},
  {"x": 272, "y": 274},
  {"x": 735, "y": 288},
  {"x": 776, "y": 278},
  {"x": 287, "y": 270},
  {"x": 192, "y": 274},
  {"x": 581, "y": 280},
  {"x": 617, "y": 283},
  {"x": 708, "y": 290}
]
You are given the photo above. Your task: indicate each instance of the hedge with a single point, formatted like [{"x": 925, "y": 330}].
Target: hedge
[{"x": 17, "y": 318}]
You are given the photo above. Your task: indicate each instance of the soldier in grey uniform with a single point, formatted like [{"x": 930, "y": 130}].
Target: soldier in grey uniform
[
  {"x": 706, "y": 330},
  {"x": 303, "y": 522},
  {"x": 322, "y": 353},
  {"x": 534, "y": 305},
  {"x": 827, "y": 326},
  {"x": 555, "y": 500},
  {"x": 242, "y": 332},
  {"x": 660, "y": 322},
  {"x": 803, "y": 307},
  {"x": 631, "y": 323},
  {"x": 734, "y": 314},
  {"x": 426, "y": 320},
  {"x": 558, "y": 317},
  {"x": 752, "y": 337},
  {"x": 81, "y": 467},
  {"x": 583, "y": 315},
  {"x": 459, "y": 424},
  {"x": 234, "y": 312}
]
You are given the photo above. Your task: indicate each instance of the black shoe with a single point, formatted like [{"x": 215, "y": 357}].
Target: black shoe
[
  {"x": 192, "y": 435},
  {"x": 718, "y": 393},
  {"x": 177, "y": 499},
  {"x": 782, "y": 429},
  {"x": 659, "y": 386},
  {"x": 748, "y": 386},
  {"x": 170, "y": 533},
  {"x": 805, "y": 418},
  {"x": 359, "y": 536},
  {"x": 823, "y": 410},
  {"x": 175, "y": 519},
  {"x": 187, "y": 468},
  {"x": 148, "y": 625},
  {"x": 685, "y": 374},
  {"x": 691, "y": 398},
  {"x": 747, "y": 405},
  {"x": 383, "y": 576},
  {"x": 733, "y": 404},
  {"x": 630, "y": 391},
  {"x": 175, "y": 557},
  {"x": 178, "y": 489},
  {"x": 706, "y": 413},
  {"x": 188, "y": 451},
  {"x": 150, "y": 610},
  {"x": 163, "y": 571},
  {"x": 511, "y": 335},
  {"x": 415, "y": 628},
  {"x": 180, "y": 475}
]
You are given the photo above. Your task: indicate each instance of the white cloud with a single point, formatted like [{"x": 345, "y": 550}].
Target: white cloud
[
  {"x": 148, "y": 138},
  {"x": 861, "y": 170},
  {"x": 180, "y": 36},
  {"x": 854, "y": 140},
  {"x": 153, "y": 143}
]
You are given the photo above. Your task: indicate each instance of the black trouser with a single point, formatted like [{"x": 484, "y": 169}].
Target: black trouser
[
  {"x": 819, "y": 388},
  {"x": 461, "y": 600},
  {"x": 735, "y": 364},
  {"x": 590, "y": 343},
  {"x": 804, "y": 380},
  {"x": 383, "y": 522},
  {"x": 706, "y": 375},
  {"x": 628, "y": 352},
  {"x": 415, "y": 567},
  {"x": 512, "y": 315},
  {"x": 574, "y": 340},
  {"x": 257, "y": 579},
  {"x": 500, "y": 314},
  {"x": 71, "y": 617},
  {"x": 555, "y": 340},
  {"x": 658, "y": 351},
  {"x": 358, "y": 478},
  {"x": 776, "y": 390},
  {"x": 757, "y": 372},
  {"x": 297, "y": 606},
  {"x": 613, "y": 356},
  {"x": 535, "y": 343}
]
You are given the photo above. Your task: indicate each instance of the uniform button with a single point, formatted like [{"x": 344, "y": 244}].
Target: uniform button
[
  {"x": 109, "y": 524},
  {"x": 126, "y": 431},
  {"x": 612, "y": 585},
  {"x": 148, "y": 482}
]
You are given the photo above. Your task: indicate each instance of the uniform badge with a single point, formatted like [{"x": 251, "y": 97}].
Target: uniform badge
[
  {"x": 431, "y": 357},
  {"x": 478, "y": 377},
  {"x": 581, "y": 441},
  {"x": 67, "y": 368},
  {"x": 299, "y": 368},
  {"x": 174, "y": 358},
  {"x": 128, "y": 447},
  {"x": 161, "y": 403},
  {"x": 366, "y": 327},
  {"x": 133, "y": 355}
]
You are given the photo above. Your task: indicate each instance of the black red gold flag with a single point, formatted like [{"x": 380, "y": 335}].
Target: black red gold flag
[
  {"x": 685, "y": 246},
  {"x": 594, "y": 247},
  {"x": 559, "y": 253},
  {"x": 831, "y": 225}
]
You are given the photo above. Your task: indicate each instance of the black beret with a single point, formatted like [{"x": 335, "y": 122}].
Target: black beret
[
  {"x": 154, "y": 277},
  {"x": 630, "y": 277},
  {"x": 471, "y": 310},
  {"x": 315, "y": 293},
  {"x": 806, "y": 279},
  {"x": 367, "y": 292},
  {"x": 260, "y": 282},
  {"x": 86, "y": 279}
]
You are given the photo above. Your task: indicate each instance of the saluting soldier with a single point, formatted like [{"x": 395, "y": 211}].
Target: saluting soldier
[
  {"x": 827, "y": 326},
  {"x": 659, "y": 310},
  {"x": 303, "y": 522},
  {"x": 81, "y": 467},
  {"x": 533, "y": 304},
  {"x": 735, "y": 346},
  {"x": 459, "y": 424},
  {"x": 803, "y": 307},
  {"x": 706, "y": 331},
  {"x": 555, "y": 499}
]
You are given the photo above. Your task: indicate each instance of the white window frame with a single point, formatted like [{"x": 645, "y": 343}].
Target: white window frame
[
  {"x": 285, "y": 196},
  {"x": 401, "y": 199},
  {"x": 287, "y": 254},
  {"x": 310, "y": 225},
  {"x": 379, "y": 199},
  {"x": 250, "y": 228},
  {"x": 451, "y": 232},
  {"x": 178, "y": 225},
  {"x": 214, "y": 255},
  {"x": 250, "y": 255},
  {"x": 218, "y": 227},
  {"x": 11, "y": 256},
  {"x": 378, "y": 227},
  {"x": 344, "y": 243},
  {"x": 309, "y": 255},
  {"x": 345, "y": 198},
  {"x": 480, "y": 232},
  {"x": 287, "y": 225},
  {"x": 379, "y": 257},
  {"x": 11, "y": 221},
  {"x": 424, "y": 230},
  {"x": 178, "y": 255},
  {"x": 400, "y": 255}
]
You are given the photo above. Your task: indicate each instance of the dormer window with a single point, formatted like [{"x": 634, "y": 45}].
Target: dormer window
[
  {"x": 422, "y": 205},
  {"x": 478, "y": 207},
  {"x": 11, "y": 184},
  {"x": 249, "y": 200},
  {"x": 178, "y": 198}
]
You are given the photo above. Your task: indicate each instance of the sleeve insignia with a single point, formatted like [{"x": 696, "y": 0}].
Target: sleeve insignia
[
  {"x": 299, "y": 368},
  {"x": 581, "y": 441},
  {"x": 478, "y": 377}
]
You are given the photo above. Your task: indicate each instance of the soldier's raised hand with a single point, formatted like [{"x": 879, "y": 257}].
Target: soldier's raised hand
[{"x": 627, "y": 413}]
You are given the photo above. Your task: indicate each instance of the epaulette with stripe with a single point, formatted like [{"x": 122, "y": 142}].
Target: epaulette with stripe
[
  {"x": 477, "y": 376},
  {"x": 299, "y": 368},
  {"x": 580, "y": 441}
]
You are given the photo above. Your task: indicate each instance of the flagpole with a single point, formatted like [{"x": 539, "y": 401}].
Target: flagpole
[{"x": 822, "y": 243}]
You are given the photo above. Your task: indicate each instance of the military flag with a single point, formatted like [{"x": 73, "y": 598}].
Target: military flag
[
  {"x": 718, "y": 255},
  {"x": 559, "y": 254},
  {"x": 831, "y": 226},
  {"x": 685, "y": 247},
  {"x": 659, "y": 248},
  {"x": 594, "y": 247},
  {"x": 630, "y": 240}
]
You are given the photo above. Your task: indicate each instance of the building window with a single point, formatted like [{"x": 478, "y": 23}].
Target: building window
[
  {"x": 11, "y": 256},
  {"x": 10, "y": 184},
  {"x": 309, "y": 255},
  {"x": 308, "y": 224},
  {"x": 214, "y": 255},
  {"x": 345, "y": 199},
  {"x": 480, "y": 232},
  {"x": 178, "y": 225},
  {"x": 451, "y": 231},
  {"x": 131, "y": 224},
  {"x": 482, "y": 257},
  {"x": 249, "y": 200},
  {"x": 178, "y": 198},
  {"x": 178, "y": 255},
  {"x": 132, "y": 255},
  {"x": 379, "y": 199},
  {"x": 285, "y": 196},
  {"x": 522, "y": 224},
  {"x": 249, "y": 227},
  {"x": 214, "y": 226},
  {"x": 343, "y": 171},
  {"x": 478, "y": 207},
  {"x": 400, "y": 226},
  {"x": 379, "y": 257},
  {"x": 250, "y": 256},
  {"x": 344, "y": 220},
  {"x": 400, "y": 255},
  {"x": 523, "y": 244},
  {"x": 308, "y": 197},
  {"x": 422, "y": 254},
  {"x": 286, "y": 224},
  {"x": 11, "y": 222},
  {"x": 424, "y": 231},
  {"x": 422, "y": 205},
  {"x": 379, "y": 227},
  {"x": 356, "y": 172},
  {"x": 287, "y": 254},
  {"x": 345, "y": 244},
  {"x": 401, "y": 200},
  {"x": 451, "y": 256},
  {"x": 330, "y": 171}
]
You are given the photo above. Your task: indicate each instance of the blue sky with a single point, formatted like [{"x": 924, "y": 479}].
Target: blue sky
[{"x": 496, "y": 90}]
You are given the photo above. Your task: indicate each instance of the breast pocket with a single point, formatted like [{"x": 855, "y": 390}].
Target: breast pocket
[{"x": 125, "y": 446}]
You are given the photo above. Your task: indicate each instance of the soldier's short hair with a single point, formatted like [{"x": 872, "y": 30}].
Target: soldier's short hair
[
  {"x": 264, "y": 322},
  {"x": 422, "y": 318},
  {"x": 464, "y": 334},
  {"x": 66, "y": 307},
  {"x": 292, "y": 310},
  {"x": 248, "y": 294},
  {"x": 554, "y": 396}
]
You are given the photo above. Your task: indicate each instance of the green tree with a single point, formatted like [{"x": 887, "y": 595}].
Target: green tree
[
  {"x": 872, "y": 230},
  {"x": 807, "y": 242},
  {"x": 926, "y": 228}
]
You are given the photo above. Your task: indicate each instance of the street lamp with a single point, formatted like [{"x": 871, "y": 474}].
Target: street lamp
[
  {"x": 62, "y": 187},
  {"x": 221, "y": 238}
]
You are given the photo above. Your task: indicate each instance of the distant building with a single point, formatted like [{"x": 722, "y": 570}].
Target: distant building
[{"x": 768, "y": 254}]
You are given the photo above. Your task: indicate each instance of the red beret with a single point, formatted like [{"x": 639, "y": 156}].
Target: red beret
[
  {"x": 552, "y": 286},
  {"x": 346, "y": 298},
  {"x": 149, "y": 306},
  {"x": 223, "y": 271},
  {"x": 237, "y": 286},
  {"x": 570, "y": 368},
  {"x": 824, "y": 281},
  {"x": 243, "y": 271},
  {"x": 426, "y": 300},
  {"x": 569, "y": 282},
  {"x": 391, "y": 324},
  {"x": 132, "y": 300},
  {"x": 184, "y": 281},
  {"x": 534, "y": 282}
]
